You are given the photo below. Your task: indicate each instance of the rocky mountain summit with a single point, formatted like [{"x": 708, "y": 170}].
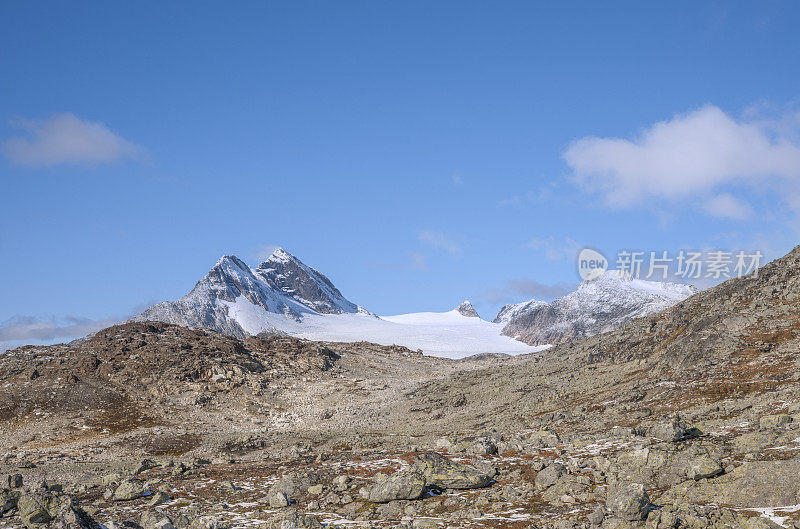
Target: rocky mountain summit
[
  {"x": 686, "y": 418},
  {"x": 281, "y": 285},
  {"x": 466, "y": 309},
  {"x": 598, "y": 305}
]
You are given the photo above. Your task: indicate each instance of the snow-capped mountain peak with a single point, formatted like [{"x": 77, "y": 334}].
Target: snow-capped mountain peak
[
  {"x": 279, "y": 255},
  {"x": 466, "y": 309},
  {"x": 285, "y": 273},
  {"x": 598, "y": 305},
  {"x": 281, "y": 285}
]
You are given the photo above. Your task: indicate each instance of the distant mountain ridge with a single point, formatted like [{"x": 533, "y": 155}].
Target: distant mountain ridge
[
  {"x": 284, "y": 295},
  {"x": 598, "y": 305}
]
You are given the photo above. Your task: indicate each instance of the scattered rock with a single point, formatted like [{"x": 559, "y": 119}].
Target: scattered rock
[
  {"x": 278, "y": 499},
  {"x": 129, "y": 489},
  {"x": 671, "y": 431},
  {"x": 769, "y": 422},
  {"x": 704, "y": 467},
  {"x": 549, "y": 476},
  {"x": 159, "y": 498},
  {"x": 403, "y": 485},
  {"x": 155, "y": 520},
  {"x": 629, "y": 502},
  {"x": 442, "y": 473}
]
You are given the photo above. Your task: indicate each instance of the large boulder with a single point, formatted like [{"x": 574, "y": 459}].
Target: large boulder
[
  {"x": 482, "y": 446},
  {"x": 155, "y": 520},
  {"x": 442, "y": 473},
  {"x": 762, "y": 483},
  {"x": 629, "y": 502},
  {"x": 41, "y": 509},
  {"x": 292, "y": 484},
  {"x": 549, "y": 476},
  {"x": 704, "y": 467},
  {"x": 671, "y": 430},
  {"x": 403, "y": 485},
  {"x": 129, "y": 489},
  {"x": 8, "y": 500},
  {"x": 543, "y": 439}
]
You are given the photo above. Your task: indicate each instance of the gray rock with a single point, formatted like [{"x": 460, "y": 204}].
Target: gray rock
[
  {"x": 549, "y": 476},
  {"x": 769, "y": 422},
  {"x": 670, "y": 431},
  {"x": 629, "y": 502},
  {"x": 41, "y": 508},
  {"x": 129, "y": 489},
  {"x": 159, "y": 498},
  {"x": 155, "y": 520},
  {"x": 278, "y": 499},
  {"x": 442, "y": 473},
  {"x": 704, "y": 467},
  {"x": 403, "y": 485},
  {"x": 761, "y": 522}
]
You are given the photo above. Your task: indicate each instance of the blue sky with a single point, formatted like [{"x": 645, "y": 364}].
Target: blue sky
[{"x": 417, "y": 153}]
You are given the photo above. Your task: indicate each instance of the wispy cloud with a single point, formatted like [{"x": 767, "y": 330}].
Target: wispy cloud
[
  {"x": 22, "y": 329},
  {"x": 690, "y": 157},
  {"x": 516, "y": 289},
  {"x": 418, "y": 261},
  {"x": 728, "y": 206},
  {"x": 565, "y": 249},
  {"x": 67, "y": 139},
  {"x": 262, "y": 252},
  {"x": 19, "y": 328},
  {"x": 438, "y": 240},
  {"x": 457, "y": 178}
]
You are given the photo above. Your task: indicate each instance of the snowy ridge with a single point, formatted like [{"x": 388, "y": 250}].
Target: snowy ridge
[
  {"x": 597, "y": 305},
  {"x": 284, "y": 295},
  {"x": 509, "y": 312}
]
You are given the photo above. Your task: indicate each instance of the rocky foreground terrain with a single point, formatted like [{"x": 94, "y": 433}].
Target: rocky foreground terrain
[{"x": 686, "y": 418}]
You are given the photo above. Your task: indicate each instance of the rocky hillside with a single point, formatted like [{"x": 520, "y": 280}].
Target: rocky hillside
[
  {"x": 688, "y": 418},
  {"x": 598, "y": 305}
]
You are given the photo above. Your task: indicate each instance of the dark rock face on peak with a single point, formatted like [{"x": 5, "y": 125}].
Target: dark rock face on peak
[
  {"x": 466, "y": 309},
  {"x": 286, "y": 274},
  {"x": 281, "y": 285}
]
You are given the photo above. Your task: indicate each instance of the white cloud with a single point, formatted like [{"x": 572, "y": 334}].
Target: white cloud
[
  {"x": 418, "y": 261},
  {"x": 689, "y": 156},
  {"x": 727, "y": 206},
  {"x": 22, "y": 330},
  {"x": 563, "y": 250},
  {"x": 439, "y": 241},
  {"x": 32, "y": 328},
  {"x": 66, "y": 139},
  {"x": 458, "y": 178}
]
